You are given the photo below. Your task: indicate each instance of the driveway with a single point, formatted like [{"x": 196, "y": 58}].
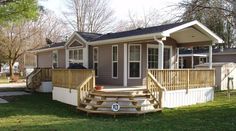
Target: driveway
[{"x": 13, "y": 85}]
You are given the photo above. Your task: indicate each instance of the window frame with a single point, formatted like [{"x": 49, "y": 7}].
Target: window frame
[
  {"x": 96, "y": 62},
  {"x": 73, "y": 60},
  {"x": 114, "y": 61},
  {"x": 157, "y": 46},
  {"x": 140, "y": 61},
  {"x": 55, "y": 52}
]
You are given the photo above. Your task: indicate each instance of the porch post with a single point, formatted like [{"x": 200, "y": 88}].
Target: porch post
[
  {"x": 160, "y": 52},
  {"x": 125, "y": 74},
  {"x": 67, "y": 57},
  {"x": 192, "y": 58},
  {"x": 210, "y": 56},
  {"x": 177, "y": 60},
  {"x": 161, "y": 55}
]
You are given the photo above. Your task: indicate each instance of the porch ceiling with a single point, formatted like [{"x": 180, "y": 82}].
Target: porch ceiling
[{"x": 190, "y": 35}]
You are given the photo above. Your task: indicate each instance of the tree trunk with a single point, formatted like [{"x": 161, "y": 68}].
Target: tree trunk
[{"x": 11, "y": 70}]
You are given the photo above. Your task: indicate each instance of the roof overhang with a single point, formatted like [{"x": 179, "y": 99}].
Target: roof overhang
[
  {"x": 127, "y": 39},
  {"x": 190, "y": 55},
  {"x": 195, "y": 27},
  {"x": 46, "y": 49},
  {"x": 75, "y": 34}
]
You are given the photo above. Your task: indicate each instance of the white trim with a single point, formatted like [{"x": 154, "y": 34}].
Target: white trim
[
  {"x": 82, "y": 44},
  {"x": 47, "y": 49},
  {"x": 112, "y": 62},
  {"x": 125, "y": 65},
  {"x": 125, "y": 39},
  {"x": 67, "y": 57},
  {"x": 85, "y": 56},
  {"x": 189, "y": 55},
  {"x": 73, "y": 60},
  {"x": 96, "y": 60},
  {"x": 56, "y": 52},
  {"x": 75, "y": 34},
  {"x": 195, "y": 22},
  {"x": 140, "y": 61},
  {"x": 165, "y": 46}
]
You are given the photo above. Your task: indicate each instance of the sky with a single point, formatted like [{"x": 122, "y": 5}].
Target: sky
[{"x": 120, "y": 7}]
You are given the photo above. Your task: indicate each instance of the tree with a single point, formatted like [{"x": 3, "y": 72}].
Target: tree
[
  {"x": 89, "y": 15},
  {"x": 17, "y": 38},
  {"x": 147, "y": 19},
  {"x": 17, "y": 10},
  {"x": 219, "y": 12}
]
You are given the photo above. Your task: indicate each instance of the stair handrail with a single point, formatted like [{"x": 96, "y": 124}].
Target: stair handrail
[
  {"x": 158, "y": 88},
  {"x": 31, "y": 76},
  {"x": 86, "y": 87}
]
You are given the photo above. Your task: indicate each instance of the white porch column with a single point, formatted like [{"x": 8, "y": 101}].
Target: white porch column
[
  {"x": 67, "y": 58},
  {"x": 210, "y": 56},
  {"x": 192, "y": 58},
  {"x": 177, "y": 56},
  {"x": 161, "y": 55},
  {"x": 160, "y": 52},
  {"x": 125, "y": 65}
]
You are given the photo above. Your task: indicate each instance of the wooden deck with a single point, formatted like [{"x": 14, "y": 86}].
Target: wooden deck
[{"x": 131, "y": 100}]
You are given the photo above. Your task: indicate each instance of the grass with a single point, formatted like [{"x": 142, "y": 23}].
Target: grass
[{"x": 39, "y": 112}]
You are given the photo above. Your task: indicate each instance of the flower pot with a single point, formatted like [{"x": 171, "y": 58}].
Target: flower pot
[{"x": 98, "y": 87}]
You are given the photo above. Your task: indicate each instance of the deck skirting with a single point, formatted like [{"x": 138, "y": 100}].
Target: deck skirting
[
  {"x": 177, "y": 98},
  {"x": 65, "y": 95},
  {"x": 170, "y": 99}
]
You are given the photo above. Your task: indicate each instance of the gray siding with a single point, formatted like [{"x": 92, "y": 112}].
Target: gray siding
[
  {"x": 224, "y": 58},
  {"x": 61, "y": 58},
  {"x": 105, "y": 64},
  {"x": 44, "y": 59}
]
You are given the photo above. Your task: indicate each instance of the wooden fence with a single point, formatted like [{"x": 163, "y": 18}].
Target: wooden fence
[
  {"x": 70, "y": 78},
  {"x": 184, "y": 78},
  {"x": 82, "y": 80}
]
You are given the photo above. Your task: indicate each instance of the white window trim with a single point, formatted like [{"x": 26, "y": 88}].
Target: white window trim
[
  {"x": 76, "y": 61},
  {"x": 55, "y": 51},
  {"x": 112, "y": 62},
  {"x": 96, "y": 60},
  {"x": 140, "y": 61},
  {"x": 157, "y": 46}
]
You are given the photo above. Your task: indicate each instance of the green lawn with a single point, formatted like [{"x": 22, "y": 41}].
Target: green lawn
[{"x": 39, "y": 112}]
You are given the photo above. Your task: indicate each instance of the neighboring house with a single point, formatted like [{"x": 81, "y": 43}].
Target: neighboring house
[
  {"x": 189, "y": 58},
  {"x": 123, "y": 58}
]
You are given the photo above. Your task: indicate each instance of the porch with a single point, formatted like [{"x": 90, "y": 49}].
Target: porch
[{"x": 164, "y": 88}]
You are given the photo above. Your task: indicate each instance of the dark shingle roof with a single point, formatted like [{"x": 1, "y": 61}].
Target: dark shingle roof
[
  {"x": 89, "y": 36},
  {"x": 53, "y": 45},
  {"x": 140, "y": 31}
]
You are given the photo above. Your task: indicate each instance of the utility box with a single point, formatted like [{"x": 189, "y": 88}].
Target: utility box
[{"x": 223, "y": 72}]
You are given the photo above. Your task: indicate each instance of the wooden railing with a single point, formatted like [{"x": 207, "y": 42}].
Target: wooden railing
[
  {"x": 155, "y": 88},
  {"x": 82, "y": 80},
  {"x": 184, "y": 78},
  {"x": 34, "y": 79}
]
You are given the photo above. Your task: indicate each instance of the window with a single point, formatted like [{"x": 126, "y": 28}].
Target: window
[
  {"x": 95, "y": 60},
  {"x": 55, "y": 58},
  {"x": 76, "y": 56},
  {"x": 134, "y": 61},
  {"x": 115, "y": 61},
  {"x": 152, "y": 58}
]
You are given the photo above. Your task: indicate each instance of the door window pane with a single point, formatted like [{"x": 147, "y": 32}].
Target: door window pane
[
  {"x": 115, "y": 74},
  {"x": 152, "y": 58},
  {"x": 134, "y": 69}
]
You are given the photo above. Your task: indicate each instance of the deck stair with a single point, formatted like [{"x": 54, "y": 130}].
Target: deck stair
[{"x": 130, "y": 102}]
